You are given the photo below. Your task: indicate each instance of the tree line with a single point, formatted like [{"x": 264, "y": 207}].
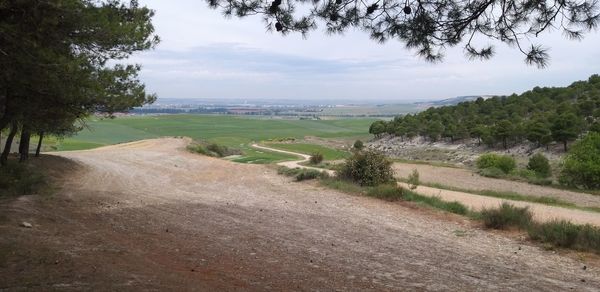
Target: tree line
[
  {"x": 540, "y": 115},
  {"x": 60, "y": 64}
]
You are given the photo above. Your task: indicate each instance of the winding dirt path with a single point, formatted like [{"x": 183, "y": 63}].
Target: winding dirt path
[
  {"x": 540, "y": 212},
  {"x": 293, "y": 163},
  {"x": 149, "y": 215}
]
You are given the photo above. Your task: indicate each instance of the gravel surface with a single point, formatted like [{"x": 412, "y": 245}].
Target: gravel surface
[{"x": 150, "y": 216}]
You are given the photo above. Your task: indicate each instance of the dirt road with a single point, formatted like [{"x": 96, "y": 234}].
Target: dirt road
[
  {"x": 150, "y": 216},
  {"x": 476, "y": 202},
  {"x": 466, "y": 179}
]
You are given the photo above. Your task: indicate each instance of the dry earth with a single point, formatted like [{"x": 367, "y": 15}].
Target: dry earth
[
  {"x": 466, "y": 179},
  {"x": 150, "y": 216}
]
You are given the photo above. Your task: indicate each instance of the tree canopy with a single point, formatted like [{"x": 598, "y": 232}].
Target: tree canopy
[
  {"x": 541, "y": 115},
  {"x": 430, "y": 26},
  {"x": 60, "y": 63}
]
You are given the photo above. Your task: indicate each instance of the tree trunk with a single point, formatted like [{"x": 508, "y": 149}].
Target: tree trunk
[
  {"x": 565, "y": 144},
  {"x": 24, "y": 144},
  {"x": 9, "y": 139},
  {"x": 39, "y": 146},
  {"x": 504, "y": 143}
]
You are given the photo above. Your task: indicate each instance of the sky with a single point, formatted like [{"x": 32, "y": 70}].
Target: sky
[{"x": 204, "y": 55}]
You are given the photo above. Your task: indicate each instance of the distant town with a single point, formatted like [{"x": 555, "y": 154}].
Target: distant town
[{"x": 303, "y": 109}]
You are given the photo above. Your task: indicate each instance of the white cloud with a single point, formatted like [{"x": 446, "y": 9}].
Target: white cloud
[{"x": 205, "y": 55}]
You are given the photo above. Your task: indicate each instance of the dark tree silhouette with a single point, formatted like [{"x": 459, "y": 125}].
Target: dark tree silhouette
[{"x": 429, "y": 26}]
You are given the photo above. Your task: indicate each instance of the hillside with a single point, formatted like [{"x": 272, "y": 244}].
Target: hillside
[
  {"x": 541, "y": 116},
  {"x": 149, "y": 215}
]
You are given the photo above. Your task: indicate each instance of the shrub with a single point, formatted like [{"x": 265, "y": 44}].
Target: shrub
[
  {"x": 581, "y": 166},
  {"x": 316, "y": 158},
  {"x": 307, "y": 174},
  {"x": 436, "y": 202},
  {"x": 566, "y": 234},
  {"x": 390, "y": 192},
  {"x": 413, "y": 179},
  {"x": 540, "y": 165},
  {"x": 493, "y": 172},
  {"x": 358, "y": 145},
  {"x": 506, "y": 216},
  {"x": 367, "y": 168},
  {"x": 213, "y": 149},
  {"x": 301, "y": 174},
  {"x": 502, "y": 162}
]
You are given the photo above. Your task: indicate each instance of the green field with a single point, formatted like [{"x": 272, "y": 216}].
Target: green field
[
  {"x": 328, "y": 153},
  {"x": 232, "y": 131}
]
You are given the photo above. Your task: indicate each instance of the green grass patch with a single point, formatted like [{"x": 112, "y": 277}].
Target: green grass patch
[
  {"x": 566, "y": 234},
  {"x": 231, "y": 131},
  {"x": 514, "y": 197},
  {"x": 328, "y": 153}
]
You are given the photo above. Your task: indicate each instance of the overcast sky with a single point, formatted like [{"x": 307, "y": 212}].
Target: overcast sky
[{"x": 204, "y": 55}]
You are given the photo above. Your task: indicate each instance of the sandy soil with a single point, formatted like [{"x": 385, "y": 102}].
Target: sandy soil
[
  {"x": 150, "y": 216},
  {"x": 466, "y": 179}
]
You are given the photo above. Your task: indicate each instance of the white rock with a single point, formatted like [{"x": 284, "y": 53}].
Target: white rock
[{"x": 26, "y": 224}]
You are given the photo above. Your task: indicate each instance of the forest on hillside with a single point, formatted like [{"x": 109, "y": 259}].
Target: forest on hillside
[{"x": 542, "y": 115}]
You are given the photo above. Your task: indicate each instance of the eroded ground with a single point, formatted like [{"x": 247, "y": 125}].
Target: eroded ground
[{"x": 149, "y": 215}]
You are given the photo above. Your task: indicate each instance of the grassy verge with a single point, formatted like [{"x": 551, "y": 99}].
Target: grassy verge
[
  {"x": 554, "y": 233},
  {"x": 432, "y": 163},
  {"x": 301, "y": 174},
  {"x": 513, "y": 196},
  {"x": 20, "y": 179}
]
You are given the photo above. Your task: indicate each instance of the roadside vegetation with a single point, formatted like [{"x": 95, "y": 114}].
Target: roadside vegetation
[
  {"x": 369, "y": 173},
  {"x": 213, "y": 149},
  {"x": 504, "y": 166}
]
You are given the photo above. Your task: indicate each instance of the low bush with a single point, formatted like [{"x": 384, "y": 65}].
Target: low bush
[
  {"x": 566, "y": 234},
  {"x": 307, "y": 174},
  {"x": 213, "y": 149},
  {"x": 316, "y": 158},
  {"x": 367, "y": 168},
  {"x": 390, "y": 192},
  {"x": 492, "y": 160},
  {"x": 413, "y": 179},
  {"x": 506, "y": 216},
  {"x": 358, "y": 145},
  {"x": 301, "y": 174},
  {"x": 539, "y": 164},
  {"x": 18, "y": 179},
  {"x": 436, "y": 202},
  {"x": 492, "y": 172}
]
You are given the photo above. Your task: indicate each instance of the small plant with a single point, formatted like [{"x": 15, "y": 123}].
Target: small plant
[
  {"x": 358, "y": 145},
  {"x": 307, "y": 174},
  {"x": 367, "y": 168},
  {"x": 506, "y": 216},
  {"x": 413, "y": 179},
  {"x": 566, "y": 234},
  {"x": 390, "y": 192},
  {"x": 502, "y": 162},
  {"x": 316, "y": 158},
  {"x": 301, "y": 174},
  {"x": 492, "y": 172},
  {"x": 540, "y": 165}
]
